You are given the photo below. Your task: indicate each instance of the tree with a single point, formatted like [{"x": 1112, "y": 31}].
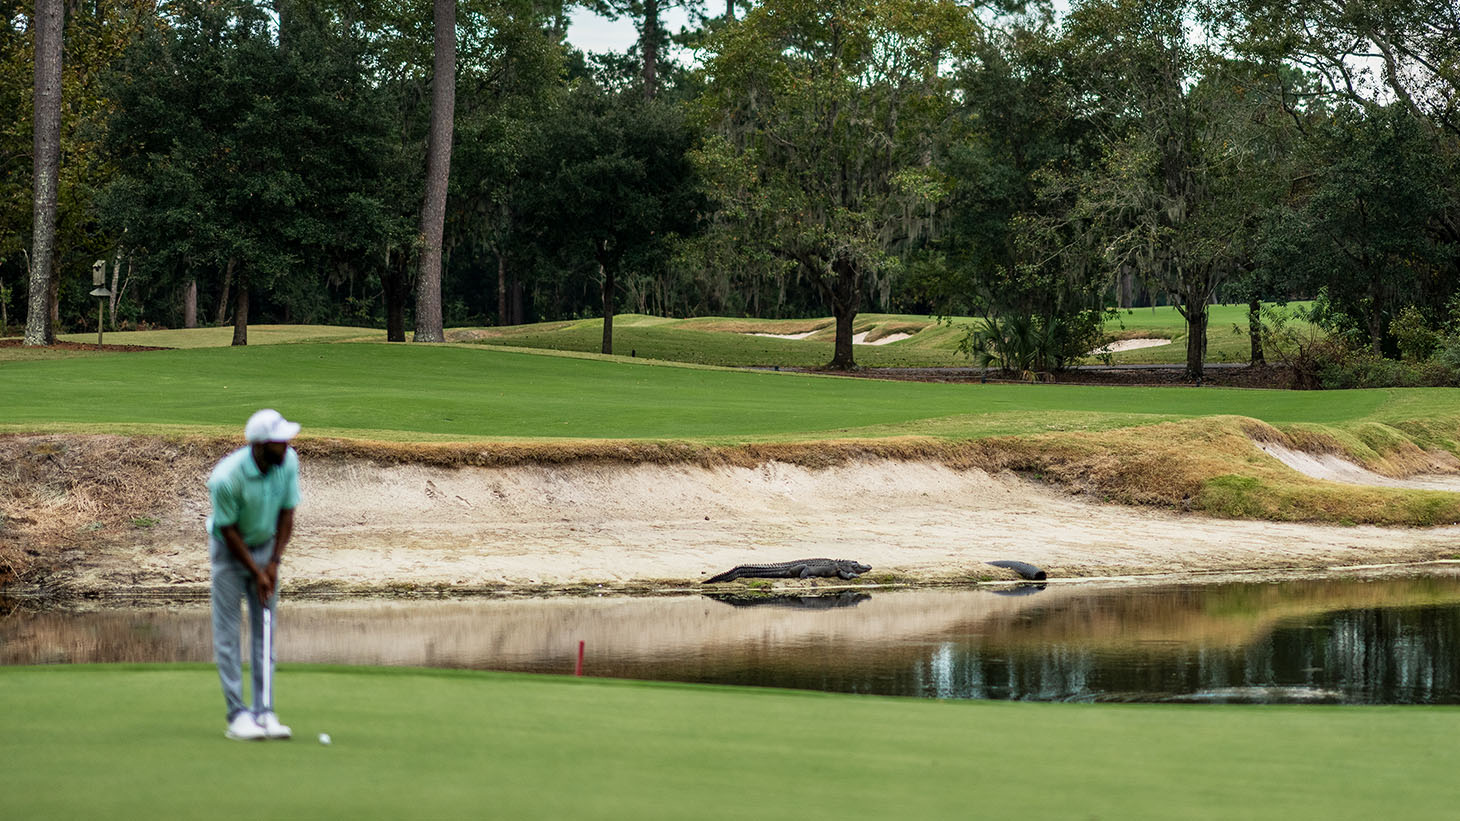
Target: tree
[
  {"x": 48, "y": 21},
  {"x": 1173, "y": 196},
  {"x": 248, "y": 168},
  {"x": 648, "y": 19},
  {"x": 610, "y": 184},
  {"x": 824, "y": 118},
  {"x": 502, "y": 97},
  {"x": 1009, "y": 248},
  {"x": 1365, "y": 234},
  {"x": 438, "y": 174}
]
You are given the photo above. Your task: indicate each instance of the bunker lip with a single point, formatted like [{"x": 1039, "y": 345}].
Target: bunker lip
[{"x": 129, "y": 522}]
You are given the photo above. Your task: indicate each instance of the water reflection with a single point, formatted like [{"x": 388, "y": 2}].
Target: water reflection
[{"x": 1339, "y": 641}]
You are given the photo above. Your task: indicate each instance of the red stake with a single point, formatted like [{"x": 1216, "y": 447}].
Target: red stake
[{"x": 578, "y": 671}]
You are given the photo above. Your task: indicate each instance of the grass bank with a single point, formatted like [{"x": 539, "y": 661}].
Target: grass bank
[
  {"x": 147, "y": 742},
  {"x": 455, "y": 405}
]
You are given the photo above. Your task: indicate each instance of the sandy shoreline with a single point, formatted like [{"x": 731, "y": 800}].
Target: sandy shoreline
[{"x": 366, "y": 527}]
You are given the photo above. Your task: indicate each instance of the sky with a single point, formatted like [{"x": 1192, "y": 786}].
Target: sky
[{"x": 591, "y": 32}]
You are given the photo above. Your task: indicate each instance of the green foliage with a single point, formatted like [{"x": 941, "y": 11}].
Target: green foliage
[
  {"x": 1370, "y": 235},
  {"x": 824, "y": 119},
  {"x": 1023, "y": 344},
  {"x": 1416, "y": 340}
]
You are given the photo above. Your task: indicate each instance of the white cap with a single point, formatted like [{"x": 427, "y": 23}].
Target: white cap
[{"x": 268, "y": 425}]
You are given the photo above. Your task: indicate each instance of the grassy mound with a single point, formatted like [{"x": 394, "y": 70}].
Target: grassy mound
[
  {"x": 147, "y": 742},
  {"x": 727, "y": 341}
]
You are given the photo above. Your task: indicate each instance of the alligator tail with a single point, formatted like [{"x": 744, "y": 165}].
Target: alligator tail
[{"x": 728, "y": 576}]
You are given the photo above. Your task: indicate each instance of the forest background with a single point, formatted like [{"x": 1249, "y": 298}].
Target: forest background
[{"x": 228, "y": 161}]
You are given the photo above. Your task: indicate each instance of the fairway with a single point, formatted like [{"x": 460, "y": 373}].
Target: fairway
[
  {"x": 733, "y": 342},
  {"x": 147, "y": 742},
  {"x": 418, "y": 392}
]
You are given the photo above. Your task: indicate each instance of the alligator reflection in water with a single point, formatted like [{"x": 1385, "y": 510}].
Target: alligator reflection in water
[
  {"x": 846, "y": 598},
  {"x": 1391, "y": 640},
  {"x": 1020, "y": 590}
]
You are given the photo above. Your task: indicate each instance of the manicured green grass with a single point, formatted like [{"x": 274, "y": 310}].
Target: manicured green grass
[
  {"x": 724, "y": 341},
  {"x": 727, "y": 341},
  {"x": 147, "y": 742},
  {"x": 719, "y": 341},
  {"x": 426, "y": 392},
  {"x": 223, "y": 336}
]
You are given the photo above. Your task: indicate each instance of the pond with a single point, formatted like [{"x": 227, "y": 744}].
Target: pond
[{"x": 1392, "y": 640}]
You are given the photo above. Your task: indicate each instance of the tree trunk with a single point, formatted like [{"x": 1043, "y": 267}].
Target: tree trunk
[
  {"x": 841, "y": 352},
  {"x": 729, "y": 9},
  {"x": 502, "y": 318},
  {"x": 606, "y": 272},
  {"x": 1376, "y": 319},
  {"x": 845, "y": 296},
  {"x": 240, "y": 313},
  {"x": 190, "y": 304},
  {"x": 111, "y": 300},
  {"x": 519, "y": 316},
  {"x": 1196, "y": 314},
  {"x": 649, "y": 46},
  {"x": 1254, "y": 331},
  {"x": 438, "y": 172},
  {"x": 53, "y": 300},
  {"x": 393, "y": 284},
  {"x": 40, "y": 325},
  {"x": 221, "y": 313}
]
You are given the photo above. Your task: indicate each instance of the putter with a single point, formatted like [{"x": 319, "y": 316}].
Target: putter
[{"x": 268, "y": 699}]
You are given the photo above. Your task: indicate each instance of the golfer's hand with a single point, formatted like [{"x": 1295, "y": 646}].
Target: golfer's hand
[
  {"x": 272, "y": 571},
  {"x": 265, "y": 584}
]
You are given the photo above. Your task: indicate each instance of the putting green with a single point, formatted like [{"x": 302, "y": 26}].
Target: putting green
[
  {"x": 412, "y": 391},
  {"x": 147, "y": 742}
]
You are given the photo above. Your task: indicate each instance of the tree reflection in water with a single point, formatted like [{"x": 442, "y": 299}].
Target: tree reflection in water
[{"x": 1385, "y": 640}]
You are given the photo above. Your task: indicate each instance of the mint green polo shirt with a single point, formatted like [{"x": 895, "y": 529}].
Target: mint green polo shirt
[{"x": 245, "y": 496}]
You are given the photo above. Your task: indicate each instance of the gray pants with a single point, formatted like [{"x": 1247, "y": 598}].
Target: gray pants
[{"x": 232, "y": 582}]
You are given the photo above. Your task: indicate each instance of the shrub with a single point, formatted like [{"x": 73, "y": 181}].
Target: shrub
[
  {"x": 1417, "y": 341},
  {"x": 1026, "y": 344}
]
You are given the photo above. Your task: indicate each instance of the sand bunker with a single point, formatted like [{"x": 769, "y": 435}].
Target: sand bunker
[
  {"x": 364, "y": 525},
  {"x": 784, "y": 336},
  {"x": 1129, "y": 345},
  {"x": 1334, "y": 468},
  {"x": 857, "y": 339},
  {"x": 861, "y": 339}
]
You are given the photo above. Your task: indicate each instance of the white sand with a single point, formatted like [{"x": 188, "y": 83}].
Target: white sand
[
  {"x": 857, "y": 339},
  {"x": 1130, "y": 345},
  {"x": 784, "y": 336},
  {"x": 368, "y": 524},
  {"x": 1335, "y": 468},
  {"x": 861, "y": 339}
]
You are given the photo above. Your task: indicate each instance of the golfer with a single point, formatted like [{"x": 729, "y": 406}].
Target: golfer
[{"x": 254, "y": 492}]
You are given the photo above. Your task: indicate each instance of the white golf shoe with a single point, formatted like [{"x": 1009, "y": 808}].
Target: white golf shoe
[
  {"x": 271, "y": 727},
  {"x": 243, "y": 727}
]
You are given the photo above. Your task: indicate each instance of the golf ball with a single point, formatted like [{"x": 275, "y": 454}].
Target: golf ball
[{"x": 324, "y": 738}]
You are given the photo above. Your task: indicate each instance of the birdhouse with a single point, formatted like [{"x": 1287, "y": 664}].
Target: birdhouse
[{"x": 98, "y": 278}]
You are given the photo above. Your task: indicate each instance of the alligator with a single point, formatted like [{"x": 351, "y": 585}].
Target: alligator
[
  {"x": 1024, "y": 569},
  {"x": 798, "y": 569}
]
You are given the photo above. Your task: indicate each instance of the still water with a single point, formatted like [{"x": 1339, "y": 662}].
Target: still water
[{"x": 1359, "y": 641}]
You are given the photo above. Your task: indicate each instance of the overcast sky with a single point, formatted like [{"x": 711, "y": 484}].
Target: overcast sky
[{"x": 590, "y": 32}]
